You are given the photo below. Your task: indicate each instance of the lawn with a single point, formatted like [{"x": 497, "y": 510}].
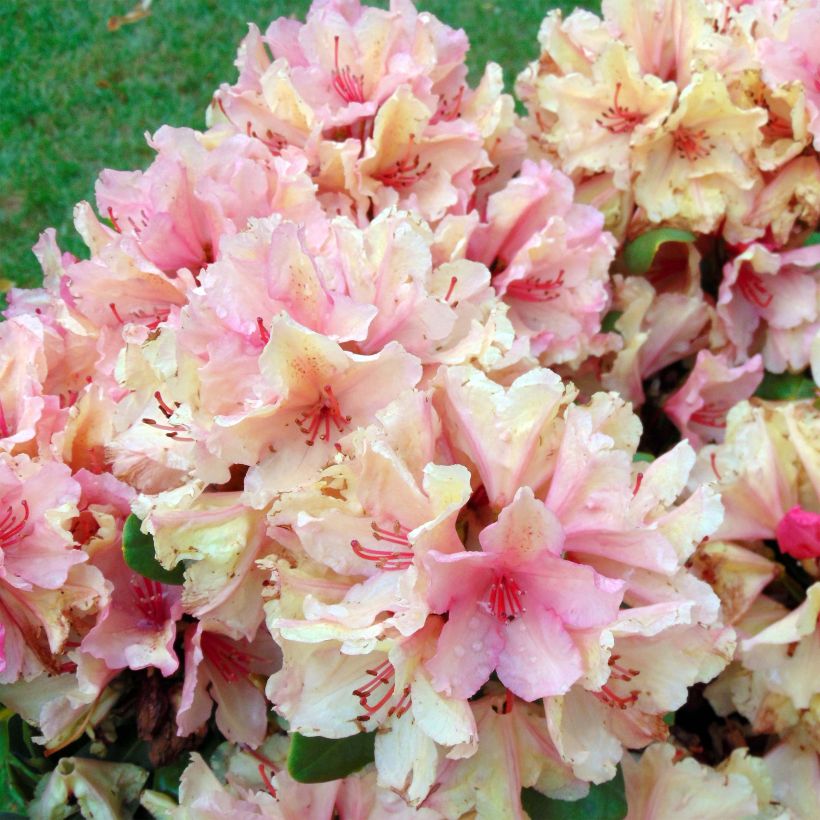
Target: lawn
[{"x": 78, "y": 97}]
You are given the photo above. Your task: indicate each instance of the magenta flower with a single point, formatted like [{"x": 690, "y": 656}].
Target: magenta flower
[{"x": 798, "y": 533}]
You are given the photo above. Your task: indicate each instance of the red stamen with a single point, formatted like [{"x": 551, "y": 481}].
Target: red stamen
[
  {"x": 480, "y": 176},
  {"x": 609, "y": 698},
  {"x": 326, "y": 410},
  {"x": 388, "y": 560},
  {"x": 266, "y": 780},
  {"x": 263, "y": 331},
  {"x": 691, "y": 145},
  {"x": 160, "y": 316},
  {"x": 11, "y": 527},
  {"x": 228, "y": 660},
  {"x": 404, "y": 173},
  {"x": 114, "y": 220},
  {"x": 398, "y": 535},
  {"x": 504, "y": 599},
  {"x": 382, "y": 675},
  {"x": 349, "y": 86},
  {"x": 177, "y": 437},
  {"x": 752, "y": 288},
  {"x": 447, "y": 110},
  {"x": 405, "y": 702},
  {"x": 450, "y": 290},
  {"x": 116, "y": 313},
  {"x": 638, "y": 480},
  {"x": 617, "y": 119},
  {"x": 264, "y": 759},
  {"x": 509, "y": 701},
  {"x": 620, "y": 672},
  {"x": 711, "y": 415},
  {"x": 536, "y": 290},
  {"x": 165, "y": 409},
  {"x": 713, "y": 462},
  {"x": 149, "y": 601}
]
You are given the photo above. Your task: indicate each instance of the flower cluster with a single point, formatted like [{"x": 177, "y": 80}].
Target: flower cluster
[{"x": 333, "y": 437}]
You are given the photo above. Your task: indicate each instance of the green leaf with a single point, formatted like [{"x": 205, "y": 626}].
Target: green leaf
[
  {"x": 608, "y": 323},
  {"x": 138, "y": 550},
  {"x": 785, "y": 387},
  {"x": 669, "y": 718},
  {"x": 12, "y": 798},
  {"x": 319, "y": 759},
  {"x": 640, "y": 253},
  {"x": 604, "y": 802},
  {"x": 813, "y": 239},
  {"x": 642, "y": 456},
  {"x": 166, "y": 778}
]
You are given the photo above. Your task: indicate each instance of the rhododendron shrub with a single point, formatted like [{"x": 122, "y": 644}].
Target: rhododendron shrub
[{"x": 392, "y": 454}]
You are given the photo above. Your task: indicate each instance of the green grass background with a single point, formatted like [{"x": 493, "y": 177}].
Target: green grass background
[{"x": 76, "y": 98}]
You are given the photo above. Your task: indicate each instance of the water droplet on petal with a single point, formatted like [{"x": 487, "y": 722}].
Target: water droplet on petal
[
  {"x": 459, "y": 651},
  {"x": 477, "y": 646}
]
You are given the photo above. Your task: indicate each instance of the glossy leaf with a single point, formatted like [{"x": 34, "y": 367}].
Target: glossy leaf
[
  {"x": 608, "y": 322},
  {"x": 319, "y": 759},
  {"x": 166, "y": 778},
  {"x": 12, "y": 798},
  {"x": 138, "y": 549},
  {"x": 642, "y": 456},
  {"x": 785, "y": 387},
  {"x": 606, "y": 801},
  {"x": 640, "y": 253}
]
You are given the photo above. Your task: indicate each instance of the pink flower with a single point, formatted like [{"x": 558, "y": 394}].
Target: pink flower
[
  {"x": 118, "y": 287},
  {"x": 515, "y": 606},
  {"x": 23, "y": 369},
  {"x": 770, "y": 302},
  {"x": 44, "y": 587},
  {"x": 378, "y": 101},
  {"x": 478, "y": 414},
  {"x": 137, "y": 628},
  {"x": 795, "y": 772},
  {"x": 256, "y": 787},
  {"x": 199, "y": 191},
  {"x": 786, "y": 205},
  {"x": 341, "y": 65},
  {"x": 699, "y": 407},
  {"x": 659, "y": 786},
  {"x": 551, "y": 259},
  {"x": 766, "y": 466},
  {"x": 665, "y": 37},
  {"x": 798, "y": 533},
  {"x": 221, "y": 669},
  {"x": 322, "y": 393},
  {"x": 658, "y": 326},
  {"x": 515, "y": 751},
  {"x": 791, "y": 57}
]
